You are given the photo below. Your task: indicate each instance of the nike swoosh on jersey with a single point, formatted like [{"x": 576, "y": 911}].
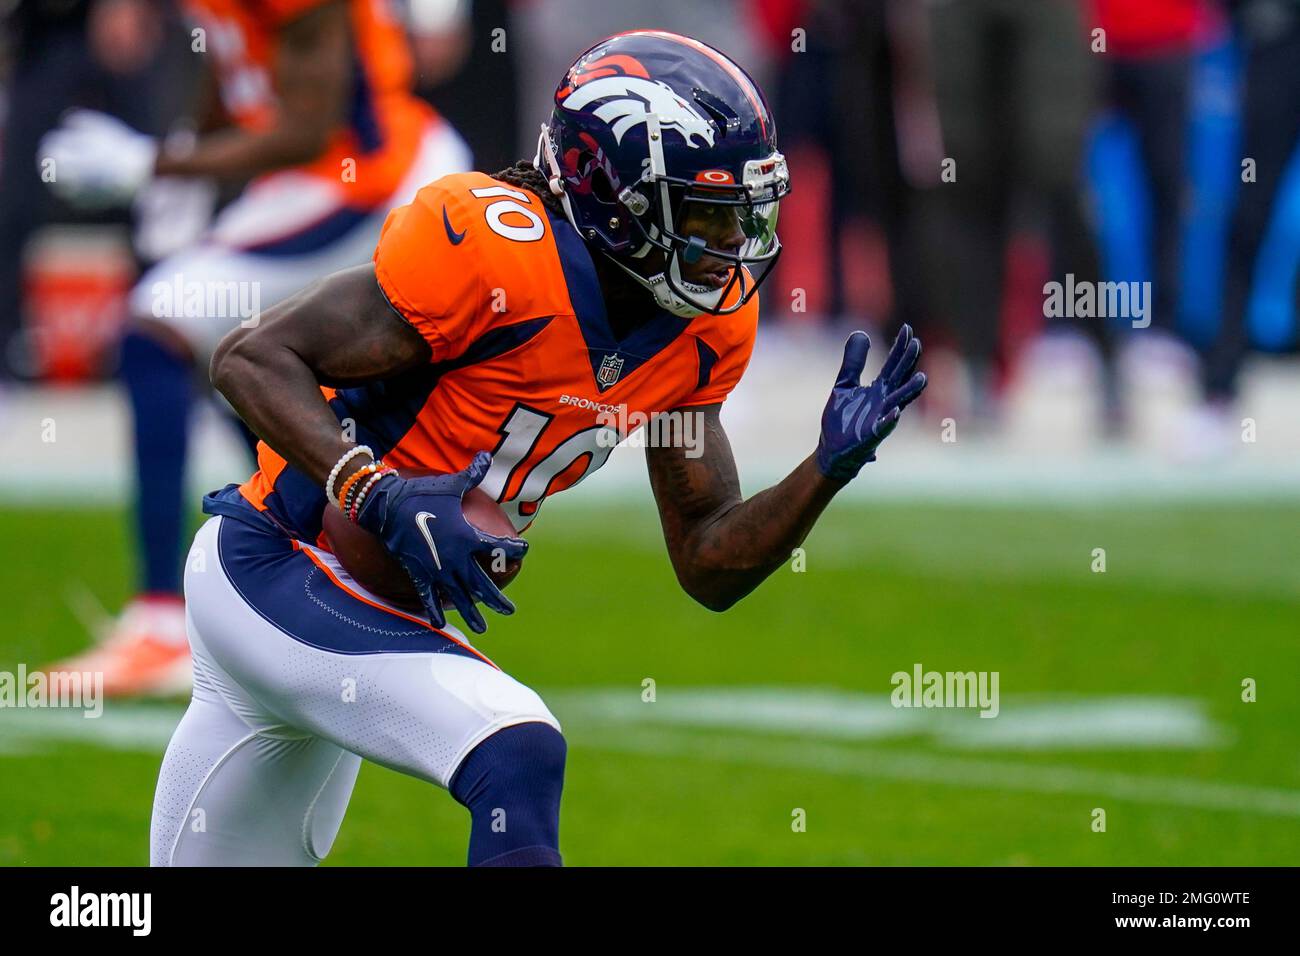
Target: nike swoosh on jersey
[
  {"x": 422, "y": 521},
  {"x": 452, "y": 235}
]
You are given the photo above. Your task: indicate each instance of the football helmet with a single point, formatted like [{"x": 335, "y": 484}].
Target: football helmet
[{"x": 652, "y": 130}]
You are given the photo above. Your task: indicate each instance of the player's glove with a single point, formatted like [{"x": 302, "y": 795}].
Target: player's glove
[
  {"x": 858, "y": 419},
  {"x": 420, "y": 520},
  {"x": 97, "y": 160}
]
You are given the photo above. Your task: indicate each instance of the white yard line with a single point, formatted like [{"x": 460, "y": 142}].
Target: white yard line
[
  {"x": 734, "y": 726},
  {"x": 120, "y": 727}
]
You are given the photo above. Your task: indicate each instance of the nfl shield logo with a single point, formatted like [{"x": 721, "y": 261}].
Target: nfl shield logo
[{"x": 610, "y": 369}]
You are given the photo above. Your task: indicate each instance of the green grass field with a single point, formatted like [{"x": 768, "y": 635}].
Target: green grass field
[{"x": 1120, "y": 690}]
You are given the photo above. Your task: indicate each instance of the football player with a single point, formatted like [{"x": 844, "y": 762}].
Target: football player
[
  {"x": 620, "y": 269},
  {"x": 312, "y": 101}
]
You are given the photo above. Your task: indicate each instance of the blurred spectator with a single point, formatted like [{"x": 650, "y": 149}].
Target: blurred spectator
[
  {"x": 440, "y": 38},
  {"x": 1269, "y": 32},
  {"x": 1148, "y": 64},
  {"x": 1015, "y": 89},
  {"x": 859, "y": 128},
  {"x": 817, "y": 134}
]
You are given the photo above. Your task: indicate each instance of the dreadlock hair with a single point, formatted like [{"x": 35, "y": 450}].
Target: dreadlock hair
[{"x": 525, "y": 174}]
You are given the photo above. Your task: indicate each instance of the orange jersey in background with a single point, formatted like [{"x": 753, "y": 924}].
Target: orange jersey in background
[
  {"x": 523, "y": 359},
  {"x": 384, "y": 121}
]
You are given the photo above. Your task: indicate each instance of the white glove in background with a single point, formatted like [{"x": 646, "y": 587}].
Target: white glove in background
[{"x": 94, "y": 161}]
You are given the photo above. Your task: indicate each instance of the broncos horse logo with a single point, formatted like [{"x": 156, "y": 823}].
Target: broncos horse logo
[{"x": 630, "y": 99}]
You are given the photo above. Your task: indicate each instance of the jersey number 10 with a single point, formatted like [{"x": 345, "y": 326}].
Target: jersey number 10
[{"x": 520, "y": 433}]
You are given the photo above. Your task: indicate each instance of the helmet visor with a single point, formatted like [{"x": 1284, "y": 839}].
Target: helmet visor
[
  {"x": 723, "y": 242},
  {"x": 733, "y": 228}
]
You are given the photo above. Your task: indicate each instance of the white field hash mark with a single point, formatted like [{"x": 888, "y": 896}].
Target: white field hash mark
[
  {"x": 963, "y": 772},
  {"x": 1026, "y": 722}
]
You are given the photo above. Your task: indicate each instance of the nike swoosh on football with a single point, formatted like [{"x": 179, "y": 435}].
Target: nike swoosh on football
[
  {"x": 452, "y": 235},
  {"x": 422, "y": 521}
]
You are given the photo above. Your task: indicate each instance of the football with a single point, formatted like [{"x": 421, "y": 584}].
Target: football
[{"x": 377, "y": 569}]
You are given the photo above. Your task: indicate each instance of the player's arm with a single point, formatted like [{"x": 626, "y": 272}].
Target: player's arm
[
  {"x": 722, "y": 545},
  {"x": 312, "y": 78},
  {"x": 339, "y": 331},
  {"x": 342, "y": 331},
  {"x": 208, "y": 111}
]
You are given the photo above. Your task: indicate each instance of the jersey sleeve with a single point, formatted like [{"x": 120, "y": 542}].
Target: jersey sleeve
[
  {"x": 430, "y": 277},
  {"x": 723, "y": 350},
  {"x": 464, "y": 257}
]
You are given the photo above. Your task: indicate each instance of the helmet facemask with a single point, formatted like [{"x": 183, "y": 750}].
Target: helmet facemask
[{"x": 692, "y": 217}]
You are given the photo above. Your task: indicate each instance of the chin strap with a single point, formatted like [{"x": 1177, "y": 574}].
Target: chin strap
[
  {"x": 657, "y": 286},
  {"x": 662, "y": 290}
]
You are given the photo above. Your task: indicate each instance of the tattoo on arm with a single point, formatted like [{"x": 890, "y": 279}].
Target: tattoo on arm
[{"x": 722, "y": 546}]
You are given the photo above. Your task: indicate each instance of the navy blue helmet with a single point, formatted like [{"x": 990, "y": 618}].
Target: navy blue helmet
[{"x": 648, "y": 124}]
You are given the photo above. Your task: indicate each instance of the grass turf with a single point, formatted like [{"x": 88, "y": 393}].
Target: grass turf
[{"x": 1193, "y": 600}]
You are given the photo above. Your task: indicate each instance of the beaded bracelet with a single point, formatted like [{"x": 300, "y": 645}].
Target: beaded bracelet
[
  {"x": 373, "y": 480},
  {"x": 352, "y": 481},
  {"x": 346, "y": 457},
  {"x": 362, "y": 476}
]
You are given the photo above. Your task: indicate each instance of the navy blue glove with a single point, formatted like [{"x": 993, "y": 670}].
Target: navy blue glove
[
  {"x": 420, "y": 520},
  {"x": 858, "y": 419}
]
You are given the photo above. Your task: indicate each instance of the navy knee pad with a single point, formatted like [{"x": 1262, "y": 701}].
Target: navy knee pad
[{"x": 511, "y": 783}]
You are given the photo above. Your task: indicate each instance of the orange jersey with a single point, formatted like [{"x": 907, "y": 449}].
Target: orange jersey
[
  {"x": 524, "y": 362},
  {"x": 385, "y": 120}
]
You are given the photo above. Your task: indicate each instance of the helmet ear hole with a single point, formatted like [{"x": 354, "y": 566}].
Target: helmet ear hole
[{"x": 601, "y": 187}]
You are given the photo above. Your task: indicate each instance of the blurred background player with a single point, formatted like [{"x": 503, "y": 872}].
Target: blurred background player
[
  {"x": 115, "y": 55},
  {"x": 310, "y": 100}
]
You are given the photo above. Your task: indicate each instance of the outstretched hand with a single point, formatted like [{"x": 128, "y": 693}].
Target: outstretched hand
[{"x": 858, "y": 418}]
